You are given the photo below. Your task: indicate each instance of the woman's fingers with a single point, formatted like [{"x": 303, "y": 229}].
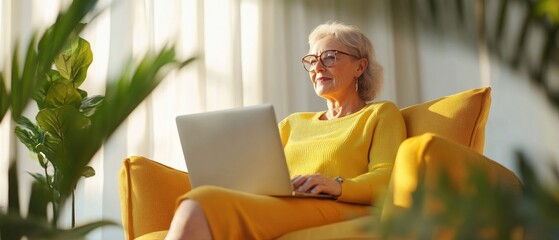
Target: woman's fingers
[
  {"x": 318, "y": 189},
  {"x": 316, "y": 184},
  {"x": 297, "y": 181},
  {"x": 303, "y": 183}
]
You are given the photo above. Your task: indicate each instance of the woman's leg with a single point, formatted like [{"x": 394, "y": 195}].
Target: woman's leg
[
  {"x": 189, "y": 222},
  {"x": 238, "y": 215}
]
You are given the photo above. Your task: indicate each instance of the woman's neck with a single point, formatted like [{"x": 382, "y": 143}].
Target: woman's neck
[{"x": 338, "y": 109}]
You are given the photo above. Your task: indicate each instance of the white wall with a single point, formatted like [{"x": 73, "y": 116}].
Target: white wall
[{"x": 521, "y": 118}]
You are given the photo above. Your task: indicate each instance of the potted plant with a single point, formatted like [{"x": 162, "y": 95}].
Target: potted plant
[
  {"x": 63, "y": 107},
  {"x": 89, "y": 121}
]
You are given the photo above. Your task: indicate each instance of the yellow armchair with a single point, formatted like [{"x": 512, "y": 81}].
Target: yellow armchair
[{"x": 444, "y": 134}]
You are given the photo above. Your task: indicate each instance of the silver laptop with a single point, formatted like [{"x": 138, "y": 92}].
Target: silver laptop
[{"x": 238, "y": 149}]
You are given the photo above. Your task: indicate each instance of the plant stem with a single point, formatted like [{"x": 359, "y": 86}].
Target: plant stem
[
  {"x": 53, "y": 223},
  {"x": 55, "y": 201},
  {"x": 73, "y": 208}
]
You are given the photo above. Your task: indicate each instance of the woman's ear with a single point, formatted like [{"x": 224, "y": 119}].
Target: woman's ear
[{"x": 363, "y": 63}]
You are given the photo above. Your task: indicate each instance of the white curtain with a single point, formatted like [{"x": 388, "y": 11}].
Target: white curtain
[{"x": 248, "y": 52}]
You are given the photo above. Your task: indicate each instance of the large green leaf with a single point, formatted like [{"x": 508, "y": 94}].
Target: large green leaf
[
  {"x": 13, "y": 189},
  {"x": 61, "y": 94},
  {"x": 29, "y": 133},
  {"x": 81, "y": 231},
  {"x": 90, "y": 104},
  {"x": 549, "y": 9},
  {"x": 66, "y": 27},
  {"x": 64, "y": 125},
  {"x": 37, "y": 228},
  {"x": 14, "y": 227},
  {"x": 50, "y": 149},
  {"x": 25, "y": 122},
  {"x": 70, "y": 48},
  {"x": 4, "y": 97},
  {"x": 52, "y": 77},
  {"x": 127, "y": 93},
  {"x": 27, "y": 138},
  {"x": 83, "y": 93},
  {"x": 74, "y": 61},
  {"x": 16, "y": 99},
  {"x": 29, "y": 77},
  {"x": 42, "y": 160},
  {"x": 62, "y": 120},
  {"x": 40, "y": 197},
  {"x": 88, "y": 172},
  {"x": 6, "y": 231}
]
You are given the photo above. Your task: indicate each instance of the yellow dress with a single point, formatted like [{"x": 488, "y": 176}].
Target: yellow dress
[{"x": 360, "y": 148}]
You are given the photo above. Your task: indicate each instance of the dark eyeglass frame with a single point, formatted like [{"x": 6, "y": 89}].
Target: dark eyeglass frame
[{"x": 320, "y": 57}]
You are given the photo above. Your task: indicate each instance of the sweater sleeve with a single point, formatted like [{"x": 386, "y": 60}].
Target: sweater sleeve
[
  {"x": 389, "y": 132},
  {"x": 284, "y": 130}
]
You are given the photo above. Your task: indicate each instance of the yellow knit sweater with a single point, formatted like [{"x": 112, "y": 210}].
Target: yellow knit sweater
[{"x": 360, "y": 148}]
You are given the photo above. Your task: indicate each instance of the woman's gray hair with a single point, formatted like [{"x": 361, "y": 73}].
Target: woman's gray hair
[{"x": 370, "y": 82}]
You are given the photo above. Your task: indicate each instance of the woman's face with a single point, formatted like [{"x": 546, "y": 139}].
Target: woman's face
[{"x": 338, "y": 80}]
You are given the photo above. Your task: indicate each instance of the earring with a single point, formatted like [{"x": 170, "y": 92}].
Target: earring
[{"x": 356, "y": 85}]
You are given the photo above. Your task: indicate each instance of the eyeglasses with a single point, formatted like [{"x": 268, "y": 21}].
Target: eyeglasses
[{"x": 327, "y": 58}]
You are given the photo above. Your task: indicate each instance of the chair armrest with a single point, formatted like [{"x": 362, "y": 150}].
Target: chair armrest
[
  {"x": 148, "y": 191},
  {"x": 424, "y": 157}
]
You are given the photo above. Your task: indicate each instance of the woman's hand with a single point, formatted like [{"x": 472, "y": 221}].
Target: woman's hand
[{"x": 316, "y": 184}]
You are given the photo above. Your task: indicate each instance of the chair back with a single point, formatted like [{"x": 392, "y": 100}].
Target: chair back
[{"x": 459, "y": 117}]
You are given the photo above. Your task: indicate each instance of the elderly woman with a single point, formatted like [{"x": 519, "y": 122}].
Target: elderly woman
[{"x": 346, "y": 151}]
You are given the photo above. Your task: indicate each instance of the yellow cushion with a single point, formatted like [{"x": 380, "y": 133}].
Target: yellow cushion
[
  {"x": 460, "y": 117},
  {"x": 424, "y": 157},
  {"x": 148, "y": 191},
  {"x": 159, "y": 235},
  {"x": 358, "y": 228}
]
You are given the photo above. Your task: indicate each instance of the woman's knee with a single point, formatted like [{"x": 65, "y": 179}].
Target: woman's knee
[
  {"x": 189, "y": 222},
  {"x": 200, "y": 194},
  {"x": 190, "y": 208}
]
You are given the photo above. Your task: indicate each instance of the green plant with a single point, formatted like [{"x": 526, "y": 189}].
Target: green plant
[
  {"x": 87, "y": 130},
  {"x": 63, "y": 107}
]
